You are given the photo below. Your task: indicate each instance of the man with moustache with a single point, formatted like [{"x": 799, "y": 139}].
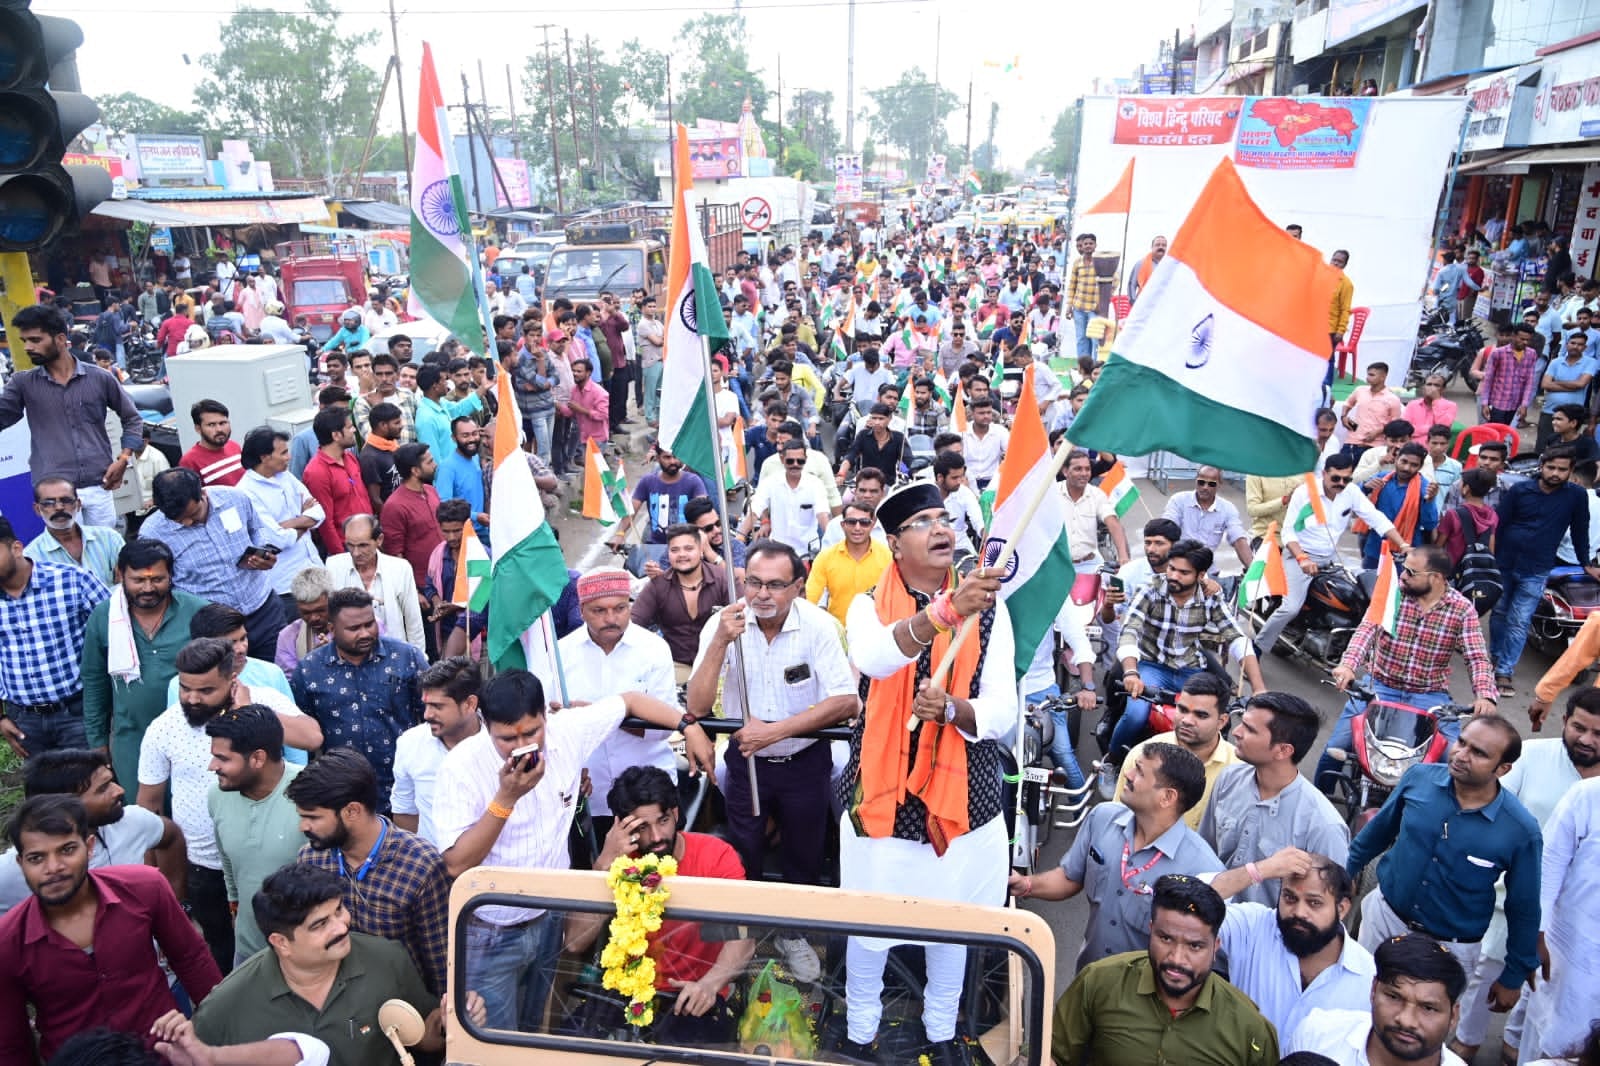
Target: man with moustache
[
  {"x": 257, "y": 828},
  {"x": 66, "y": 399},
  {"x": 460, "y": 475},
  {"x": 80, "y": 925},
  {"x": 64, "y": 541},
  {"x": 449, "y": 716},
  {"x": 395, "y": 885},
  {"x": 1163, "y": 1003},
  {"x": 1415, "y": 999},
  {"x": 176, "y": 752}
]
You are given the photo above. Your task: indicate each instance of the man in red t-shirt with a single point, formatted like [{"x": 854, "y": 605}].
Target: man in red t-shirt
[
  {"x": 644, "y": 802},
  {"x": 215, "y": 457}
]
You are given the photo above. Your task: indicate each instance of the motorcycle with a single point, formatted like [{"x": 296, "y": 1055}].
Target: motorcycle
[
  {"x": 1048, "y": 798},
  {"x": 1570, "y": 596},
  {"x": 1449, "y": 352},
  {"x": 146, "y": 362},
  {"x": 1163, "y": 702},
  {"x": 1387, "y": 739},
  {"x": 1335, "y": 605}
]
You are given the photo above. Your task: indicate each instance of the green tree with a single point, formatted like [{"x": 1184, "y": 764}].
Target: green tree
[
  {"x": 132, "y": 113},
  {"x": 911, "y": 114},
  {"x": 293, "y": 81},
  {"x": 1057, "y": 158},
  {"x": 869, "y": 154},
  {"x": 810, "y": 114},
  {"x": 719, "y": 77}
]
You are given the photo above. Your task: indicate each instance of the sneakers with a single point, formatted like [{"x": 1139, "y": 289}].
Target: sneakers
[
  {"x": 1504, "y": 683},
  {"x": 800, "y": 958},
  {"x": 953, "y": 1052}
]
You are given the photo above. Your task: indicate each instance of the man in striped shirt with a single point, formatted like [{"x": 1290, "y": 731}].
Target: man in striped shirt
[{"x": 214, "y": 456}]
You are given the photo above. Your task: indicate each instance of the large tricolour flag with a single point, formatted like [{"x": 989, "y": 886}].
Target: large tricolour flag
[
  {"x": 1039, "y": 576},
  {"x": 694, "y": 310},
  {"x": 1213, "y": 364},
  {"x": 441, "y": 266},
  {"x": 529, "y": 571}
]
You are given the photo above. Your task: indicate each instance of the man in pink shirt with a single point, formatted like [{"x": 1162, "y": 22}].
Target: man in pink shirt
[
  {"x": 589, "y": 405},
  {"x": 1430, "y": 409},
  {"x": 1368, "y": 410}
]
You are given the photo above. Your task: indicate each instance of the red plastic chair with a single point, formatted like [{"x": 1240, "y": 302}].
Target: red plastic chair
[
  {"x": 1348, "y": 346},
  {"x": 1466, "y": 444},
  {"x": 1120, "y": 306}
]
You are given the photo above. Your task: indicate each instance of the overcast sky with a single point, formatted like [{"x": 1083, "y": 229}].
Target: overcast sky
[{"x": 1055, "y": 50}]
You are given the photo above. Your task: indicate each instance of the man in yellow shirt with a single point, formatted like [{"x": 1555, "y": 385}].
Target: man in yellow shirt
[
  {"x": 1196, "y": 726},
  {"x": 851, "y": 566},
  {"x": 1266, "y": 500}
]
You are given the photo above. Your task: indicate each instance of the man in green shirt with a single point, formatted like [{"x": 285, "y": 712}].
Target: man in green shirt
[
  {"x": 1164, "y": 1005},
  {"x": 258, "y": 829},
  {"x": 319, "y": 978},
  {"x": 123, "y": 692}
]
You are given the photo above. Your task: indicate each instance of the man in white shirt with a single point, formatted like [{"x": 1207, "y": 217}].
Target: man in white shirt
[
  {"x": 493, "y": 810},
  {"x": 950, "y": 474},
  {"x": 610, "y": 654},
  {"x": 869, "y": 491},
  {"x": 1311, "y": 543},
  {"x": 1415, "y": 1000},
  {"x": 794, "y": 508},
  {"x": 283, "y": 499},
  {"x": 177, "y": 752},
  {"x": 1087, "y": 508},
  {"x": 984, "y": 444},
  {"x": 449, "y": 716},
  {"x": 376, "y": 316}
]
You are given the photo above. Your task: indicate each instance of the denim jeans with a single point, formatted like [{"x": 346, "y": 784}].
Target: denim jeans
[
  {"x": 541, "y": 427},
  {"x": 50, "y": 730},
  {"x": 1137, "y": 715},
  {"x": 652, "y": 392},
  {"x": 1508, "y": 627},
  {"x": 1080, "y": 324},
  {"x": 512, "y": 967},
  {"x": 1343, "y": 734}
]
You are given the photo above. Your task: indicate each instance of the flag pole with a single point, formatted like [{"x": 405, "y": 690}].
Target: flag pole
[
  {"x": 720, "y": 487},
  {"x": 458, "y": 199},
  {"x": 1048, "y": 484}
]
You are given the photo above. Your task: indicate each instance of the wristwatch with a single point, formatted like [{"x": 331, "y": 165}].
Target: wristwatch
[
  {"x": 949, "y": 709},
  {"x": 1088, "y": 686},
  {"x": 686, "y": 721}
]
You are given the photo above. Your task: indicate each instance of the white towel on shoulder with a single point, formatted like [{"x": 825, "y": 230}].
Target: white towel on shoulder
[{"x": 122, "y": 654}]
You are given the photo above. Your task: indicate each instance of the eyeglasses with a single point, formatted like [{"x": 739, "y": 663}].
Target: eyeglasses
[
  {"x": 856, "y": 521},
  {"x": 58, "y": 501},
  {"x": 1206, "y": 481},
  {"x": 1334, "y": 479},
  {"x": 709, "y": 526},
  {"x": 923, "y": 525},
  {"x": 1408, "y": 572},
  {"x": 758, "y": 586},
  {"x": 794, "y": 462}
]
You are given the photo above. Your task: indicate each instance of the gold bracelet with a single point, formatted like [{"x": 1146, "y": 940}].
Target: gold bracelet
[{"x": 498, "y": 811}]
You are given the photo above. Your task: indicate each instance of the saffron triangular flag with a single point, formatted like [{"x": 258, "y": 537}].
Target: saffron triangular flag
[
  {"x": 958, "y": 411},
  {"x": 1119, "y": 201},
  {"x": 1234, "y": 369}
]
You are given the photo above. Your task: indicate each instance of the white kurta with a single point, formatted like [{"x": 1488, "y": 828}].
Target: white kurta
[
  {"x": 974, "y": 867},
  {"x": 1564, "y": 1007}
]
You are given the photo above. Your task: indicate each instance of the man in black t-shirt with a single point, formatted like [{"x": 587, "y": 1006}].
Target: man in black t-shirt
[{"x": 378, "y": 471}]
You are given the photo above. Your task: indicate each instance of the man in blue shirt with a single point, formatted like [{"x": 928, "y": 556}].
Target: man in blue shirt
[
  {"x": 1445, "y": 283},
  {"x": 1533, "y": 515},
  {"x": 1565, "y": 380},
  {"x": 434, "y": 412},
  {"x": 1451, "y": 831},
  {"x": 460, "y": 475},
  {"x": 1391, "y": 497}
]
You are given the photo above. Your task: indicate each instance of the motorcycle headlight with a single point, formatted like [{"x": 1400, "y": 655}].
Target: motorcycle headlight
[{"x": 1386, "y": 767}]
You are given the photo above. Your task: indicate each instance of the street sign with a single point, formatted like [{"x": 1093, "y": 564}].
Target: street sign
[
  {"x": 757, "y": 214},
  {"x": 926, "y": 189}
]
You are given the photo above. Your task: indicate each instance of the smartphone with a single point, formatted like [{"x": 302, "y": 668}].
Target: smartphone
[
  {"x": 526, "y": 757},
  {"x": 253, "y": 552},
  {"x": 1115, "y": 583}
]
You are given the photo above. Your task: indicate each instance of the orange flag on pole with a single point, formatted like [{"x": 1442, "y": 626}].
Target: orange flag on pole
[{"x": 1119, "y": 201}]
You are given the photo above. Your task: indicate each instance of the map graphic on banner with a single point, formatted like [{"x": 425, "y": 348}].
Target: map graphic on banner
[
  {"x": 1198, "y": 120},
  {"x": 1301, "y": 133}
]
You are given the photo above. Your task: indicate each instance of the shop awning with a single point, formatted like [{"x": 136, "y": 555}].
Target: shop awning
[
  {"x": 1512, "y": 162},
  {"x": 217, "y": 212},
  {"x": 377, "y": 212},
  {"x": 1579, "y": 153}
]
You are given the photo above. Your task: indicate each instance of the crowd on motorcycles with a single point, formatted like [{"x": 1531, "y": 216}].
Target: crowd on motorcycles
[{"x": 278, "y": 667}]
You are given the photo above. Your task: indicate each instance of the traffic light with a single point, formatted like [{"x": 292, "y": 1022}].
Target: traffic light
[{"x": 41, "y": 112}]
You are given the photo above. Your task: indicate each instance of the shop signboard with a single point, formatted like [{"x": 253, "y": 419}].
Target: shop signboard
[
  {"x": 109, "y": 163},
  {"x": 1489, "y": 101},
  {"x": 1301, "y": 133},
  {"x": 161, "y": 240},
  {"x": 1567, "y": 104},
  {"x": 169, "y": 156},
  {"x": 1586, "y": 226},
  {"x": 1196, "y": 120}
]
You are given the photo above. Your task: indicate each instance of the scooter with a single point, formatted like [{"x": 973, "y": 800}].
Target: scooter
[
  {"x": 1335, "y": 605},
  {"x": 1570, "y": 596},
  {"x": 1387, "y": 739}
]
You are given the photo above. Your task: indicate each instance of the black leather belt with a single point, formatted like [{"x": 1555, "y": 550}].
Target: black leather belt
[{"x": 72, "y": 704}]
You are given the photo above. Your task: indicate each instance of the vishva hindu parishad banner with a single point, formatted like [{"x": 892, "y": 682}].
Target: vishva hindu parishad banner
[
  {"x": 1301, "y": 133},
  {"x": 1156, "y": 120}
]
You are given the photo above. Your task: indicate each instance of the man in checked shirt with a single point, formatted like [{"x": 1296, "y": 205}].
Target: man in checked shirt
[{"x": 1413, "y": 666}]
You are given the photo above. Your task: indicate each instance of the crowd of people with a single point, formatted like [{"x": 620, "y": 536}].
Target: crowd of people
[{"x": 261, "y": 741}]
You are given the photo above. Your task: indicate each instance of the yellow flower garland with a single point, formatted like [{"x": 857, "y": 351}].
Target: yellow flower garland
[{"x": 639, "y": 887}]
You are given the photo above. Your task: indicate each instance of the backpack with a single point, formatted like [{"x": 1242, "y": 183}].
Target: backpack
[{"x": 1477, "y": 575}]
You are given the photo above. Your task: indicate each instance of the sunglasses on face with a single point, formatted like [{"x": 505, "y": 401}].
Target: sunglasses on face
[
  {"x": 1334, "y": 479},
  {"x": 857, "y": 521}
]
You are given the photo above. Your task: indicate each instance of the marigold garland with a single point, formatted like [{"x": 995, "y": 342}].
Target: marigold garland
[{"x": 639, "y": 887}]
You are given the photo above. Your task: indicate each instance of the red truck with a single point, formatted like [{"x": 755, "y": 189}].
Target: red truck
[{"x": 322, "y": 277}]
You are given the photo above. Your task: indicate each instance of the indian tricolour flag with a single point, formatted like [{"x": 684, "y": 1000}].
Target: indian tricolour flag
[
  {"x": 529, "y": 572},
  {"x": 1211, "y": 364},
  {"x": 1039, "y": 576},
  {"x": 1265, "y": 576},
  {"x": 1117, "y": 485},
  {"x": 1384, "y": 610},
  {"x": 442, "y": 260},
  {"x": 973, "y": 183},
  {"x": 735, "y": 465},
  {"x": 600, "y": 488},
  {"x": 694, "y": 311},
  {"x": 472, "y": 567}
]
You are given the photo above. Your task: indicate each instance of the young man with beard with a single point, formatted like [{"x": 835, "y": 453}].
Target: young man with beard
[
  {"x": 122, "y": 835},
  {"x": 66, "y": 542},
  {"x": 699, "y": 969},
  {"x": 1163, "y": 1003},
  {"x": 662, "y": 496},
  {"x": 333, "y": 477},
  {"x": 1197, "y": 722},
  {"x": 460, "y": 474},
  {"x": 177, "y": 752},
  {"x": 449, "y": 716},
  {"x": 378, "y": 471},
  {"x": 1264, "y": 804},
  {"x": 68, "y": 399},
  {"x": 1415, "y": 1000},
  {"x": 394, "y": 882},
  {"x": 215, "y": 455},
  {"x": 409, "y": 514},
  {"x": 1295, "y": 957},
  {"x": 321, "y": 978},
  {"x": 257, "y": 828},
  {"x": 82, "y": 951},
  {"x": 677, "y": 601}
]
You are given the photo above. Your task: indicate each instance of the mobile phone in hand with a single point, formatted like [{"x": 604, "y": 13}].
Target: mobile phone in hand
[{"x": 526, "y": 757}]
